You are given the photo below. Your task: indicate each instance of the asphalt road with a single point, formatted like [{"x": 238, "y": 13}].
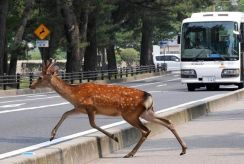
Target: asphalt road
[{"x": 27, "y": 120}]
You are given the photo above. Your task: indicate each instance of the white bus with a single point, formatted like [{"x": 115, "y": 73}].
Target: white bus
[{"x": 212, "y": 50}]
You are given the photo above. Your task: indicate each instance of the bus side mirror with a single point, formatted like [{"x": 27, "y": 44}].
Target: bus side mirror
[
  {"x": 240, "y": 36},
  {"x": 236, "y": 32},
  {"x": 178, "y": 39}
]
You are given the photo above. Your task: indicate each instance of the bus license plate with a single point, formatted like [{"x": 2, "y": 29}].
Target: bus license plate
[{"x": 208, "y": 79}]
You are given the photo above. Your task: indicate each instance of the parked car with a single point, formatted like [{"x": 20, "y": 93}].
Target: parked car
[{"x": 171, "y": 60}]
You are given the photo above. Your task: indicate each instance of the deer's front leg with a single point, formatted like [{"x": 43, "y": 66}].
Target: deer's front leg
[
  {"x": 64, "y": 116},
  {"x": 91, "y": 116}
]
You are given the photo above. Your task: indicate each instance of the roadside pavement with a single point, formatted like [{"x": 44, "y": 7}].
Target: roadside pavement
[{"x": 217, "y": 138}]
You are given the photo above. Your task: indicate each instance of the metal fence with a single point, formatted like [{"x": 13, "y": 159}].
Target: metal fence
[{"x": 25, "y": 80}]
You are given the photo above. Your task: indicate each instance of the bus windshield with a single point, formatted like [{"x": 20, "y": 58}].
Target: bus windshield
[{"x": 209, "y": 41}]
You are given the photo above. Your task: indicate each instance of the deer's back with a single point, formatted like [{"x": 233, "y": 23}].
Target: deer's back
[{"x": 109, "y": 99}]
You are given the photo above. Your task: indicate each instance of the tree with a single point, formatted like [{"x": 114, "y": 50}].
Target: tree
[
  {"x": 241, "y": 5},
  {"x": 17, "y": 43},
  {"x": 72, "y": 33},
  {"x": 3, "y": 18},
  {"x": 49, "y": 13},
  {"x": 90, "y": 58},
  {"x": 84, "y": 27},
  {"x": 106, "y": 32},
  {"x": 146, "y": 42},
  {"x": 82, "y": 11},
  {"x": 111, "y": 54}
]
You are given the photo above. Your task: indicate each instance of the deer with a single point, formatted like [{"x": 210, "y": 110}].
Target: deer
[{"x": 105, "y": 99}]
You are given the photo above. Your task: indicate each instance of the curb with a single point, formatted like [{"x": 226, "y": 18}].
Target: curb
[{"x": 96, "y": 145}]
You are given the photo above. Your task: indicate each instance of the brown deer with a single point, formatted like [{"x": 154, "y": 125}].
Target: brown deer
[{"x": 109, "y": 100}]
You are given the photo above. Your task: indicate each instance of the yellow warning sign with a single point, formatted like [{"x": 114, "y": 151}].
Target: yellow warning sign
[{"x": 42, "y": 32}]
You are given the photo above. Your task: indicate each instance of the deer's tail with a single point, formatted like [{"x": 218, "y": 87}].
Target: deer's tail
[{"x": 148, "y": 101}]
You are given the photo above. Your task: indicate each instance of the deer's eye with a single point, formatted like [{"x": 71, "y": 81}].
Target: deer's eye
[{"x": 40, "y": 78}]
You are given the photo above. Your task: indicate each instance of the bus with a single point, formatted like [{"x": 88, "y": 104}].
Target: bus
[{"x": 212, "y": 50}]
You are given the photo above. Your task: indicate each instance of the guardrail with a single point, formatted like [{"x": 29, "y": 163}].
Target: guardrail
[{"x": 25, "y": 80}]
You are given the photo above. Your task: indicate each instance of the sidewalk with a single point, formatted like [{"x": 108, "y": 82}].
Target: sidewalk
[{"x": 214, "y": 139}]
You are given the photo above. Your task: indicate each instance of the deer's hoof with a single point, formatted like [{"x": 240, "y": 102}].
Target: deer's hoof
[
  {"x": 129, "y": 155},
  {"x": 116, "y": 139},
  {"x": 183, "y": 151},
  {"x": 51, "y": 138}
]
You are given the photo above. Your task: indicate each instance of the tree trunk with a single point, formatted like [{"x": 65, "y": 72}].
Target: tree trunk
[
  {"x": 146, "y": 42},
  {"x": 73, "y": 37},
  {"x": 90, "y": 59},
  {"x": 111, "y": 55},
  {"x": 3, "y": 17},
  {"x": 83, "y": 29},
  {"x": 5, "y": 57},
  {"x": 19, "y": 36}
]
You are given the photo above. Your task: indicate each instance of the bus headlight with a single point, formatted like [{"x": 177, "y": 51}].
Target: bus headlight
[
  {"x": 230, "y": 73},
  {"x": 188, "y": 73}
]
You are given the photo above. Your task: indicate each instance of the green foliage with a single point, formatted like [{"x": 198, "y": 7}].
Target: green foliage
[
  {"x": 118, "y": 22},
  {"x": 34, "y": 54},
  {"x": 60, "y": 54},
  {"x": 129, "y": 55},
  {"x": 128, "y": 39},
  {"x": 241, "y": 5}
]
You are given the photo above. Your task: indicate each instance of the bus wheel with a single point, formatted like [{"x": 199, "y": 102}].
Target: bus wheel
[{"x": 191, "y": 87}]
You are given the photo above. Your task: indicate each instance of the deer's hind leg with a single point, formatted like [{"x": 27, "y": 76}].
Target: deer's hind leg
[
  {"x": 135, "y": 121},
  {"x": 150, "y": 116}
]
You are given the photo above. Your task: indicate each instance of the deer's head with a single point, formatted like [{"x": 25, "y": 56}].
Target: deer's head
[{"x": 48, "y": 70}]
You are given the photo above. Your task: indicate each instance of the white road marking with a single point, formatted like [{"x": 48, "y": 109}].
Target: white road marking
[
  {"x": 66, "y": 138},
  {"x": 154, "y": 91},
  {"x": 29, "y": 99},
  {"x": 177, "y": 79},
  {"x": 11, "y": 105},
  {"x": 146, "y": 84},
  {"x": 25, "y": 95},
  {"x": 148, "y": 78},
  {"x": 162, "y": 85},
  {"x": 32, "y": 108},
  {"x": 36, "y": 96}
]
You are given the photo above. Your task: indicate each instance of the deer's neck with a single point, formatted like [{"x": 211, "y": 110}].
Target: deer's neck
[{"x": 61, "y": 87}]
